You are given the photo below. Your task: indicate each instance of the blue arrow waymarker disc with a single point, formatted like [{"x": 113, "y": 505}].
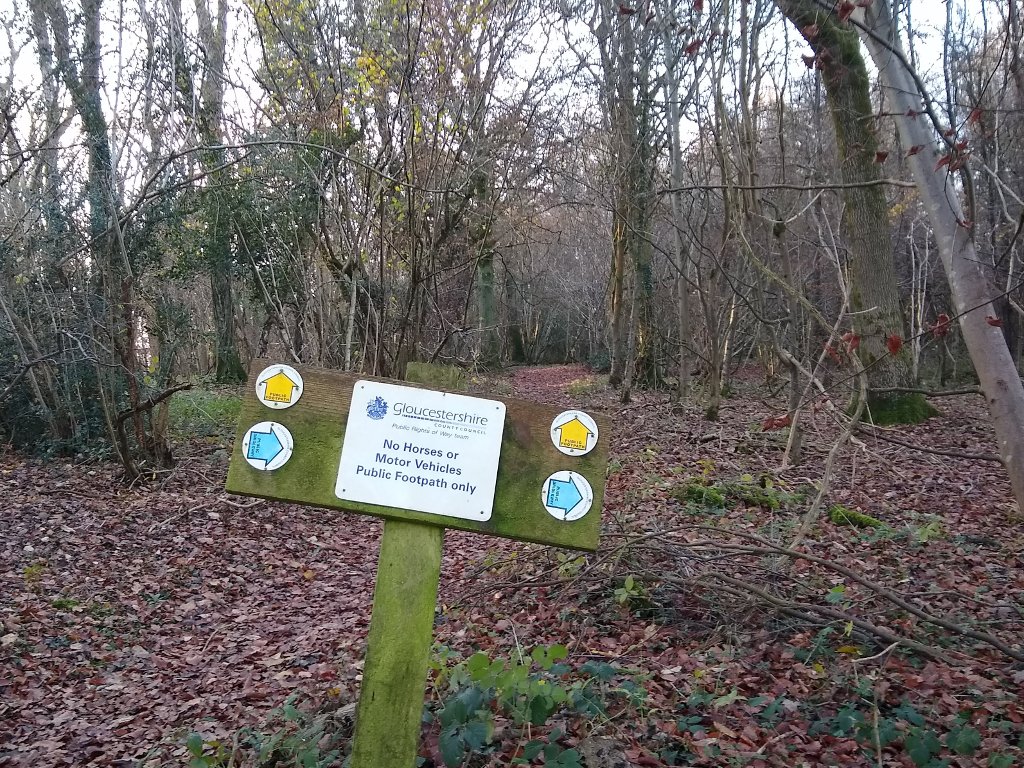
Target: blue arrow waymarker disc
[
  {"x": 563, "y": 495},
  {"x": 264, "y": 446},
  {"x": 267, "y": 445},
  {"x": 567, "y": 495}
]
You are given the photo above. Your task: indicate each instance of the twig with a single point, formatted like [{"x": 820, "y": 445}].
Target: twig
[
  {"x": 878, "y": 589},
  {"x": 184, "y": 512},
  {"x": 239, "y": 505},
  {"x": 877, "y": 655},
  {"x": 23, "y": 372},
  {"x": 152, "y": 402},
  {"x": 210, "y": 639},
  {"x": 833, "y": 455}
]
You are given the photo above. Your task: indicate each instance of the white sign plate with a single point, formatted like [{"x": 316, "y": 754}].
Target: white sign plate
[
  {"x": 567, "y": 495},
  {"x": 574, "y": 433},
  {"x": 279, "y": 386},
  {"x": 422, "y": 450},
  {"x": 267, "y": 445}
]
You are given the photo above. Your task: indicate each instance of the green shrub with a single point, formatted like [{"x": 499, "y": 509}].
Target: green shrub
[
  {"x": 600, "y": 361},
  {"x": 435, "y": 375},
  {"x": 291, "y": 738},
  {"x": 205, "y": 413},
  {"x": 527, "y": 693},
  {"x": 763, "y": 492}
]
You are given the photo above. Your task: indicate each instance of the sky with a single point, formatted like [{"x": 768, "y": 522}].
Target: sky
[{"x": 928, "y": 15}]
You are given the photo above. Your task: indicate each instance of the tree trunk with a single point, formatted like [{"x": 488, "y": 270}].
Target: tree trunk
[
  {"x": 229, "y": 368},
  {"x": 112, "y": 271},
  {"x": 674, "y": 103},
  {"x": 490, "y": 339},
  {"x": 619, "y": 54},
  {"x": 213, "y": 36},
  {"x": 617, "y": 342},
  {"x": 874, "y": 295},
  {"x": 516, "y": 338},
  {"x": 970, "y": 288}
]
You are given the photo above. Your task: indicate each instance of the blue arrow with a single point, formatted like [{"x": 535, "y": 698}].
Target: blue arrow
[
  {"x": 264, "y": 446},
  {"x": 564, "y": 495}
]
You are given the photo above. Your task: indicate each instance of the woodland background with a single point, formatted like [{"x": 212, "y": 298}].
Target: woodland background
[
  {"x": 769, "y": 230},
  {"x": 662, "y": 192}
]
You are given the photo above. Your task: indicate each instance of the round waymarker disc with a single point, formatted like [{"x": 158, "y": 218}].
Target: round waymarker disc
[
  {"x": 267, "y": 445},
  {"x": 567, "y": 495},
  {"x": 279, "y": 386},
  {"x": 574, "y": 433}
]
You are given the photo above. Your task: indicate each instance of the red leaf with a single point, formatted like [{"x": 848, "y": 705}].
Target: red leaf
[
  {"x": 960, "y": 146},
  {"x": 965, "y": 223},
  {"x": 943, "y": 161},
  {"x": 692, "y": 48},
  {"x": 845, "y": 10},
  {"x": 809, "y": 61},
  {"x": 912, "y": 114},
  {"x": 772, "y": 423},
  {"x": 994, "y": 321},
  {"x": 625, "y": 10},
  {"x": 831, "y": 352},
  {"x": 949, "y": 132},
  {"x": 698, "y": 6},
  {"x": 975, "y": 117},
  {"x": 880, "y": 156},
  {"x": 941, "y": 327},
  {"x": 852, "y": 340},
  {"x": 914, "y": 150},
  {"x": 894, "y": 344}
]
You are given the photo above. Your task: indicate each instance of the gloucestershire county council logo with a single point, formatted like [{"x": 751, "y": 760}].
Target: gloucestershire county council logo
[{"x": 377, "y": 408}]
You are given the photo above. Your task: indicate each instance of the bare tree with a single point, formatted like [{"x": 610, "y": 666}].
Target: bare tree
[{"x": 971, "y": 288}]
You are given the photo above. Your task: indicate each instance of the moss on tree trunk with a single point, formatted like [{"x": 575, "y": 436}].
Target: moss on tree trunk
[{"x": 887, "y": 408}]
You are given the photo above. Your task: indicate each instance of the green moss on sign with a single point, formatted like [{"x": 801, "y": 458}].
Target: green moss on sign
[{"x": 317, "y": 423}]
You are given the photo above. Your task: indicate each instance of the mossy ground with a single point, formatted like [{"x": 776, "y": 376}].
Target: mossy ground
[
  {"x": 887, "y": 410},
  {"x": 841, "y": 515}
]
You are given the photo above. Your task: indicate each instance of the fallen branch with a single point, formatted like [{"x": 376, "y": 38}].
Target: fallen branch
[
  {"x": 151, "y": 403},
  {"x": 123, "y": 416},
  {"x": 767, "y": 548},
  {"x": 927, "y": 392},
  {"x": 870, "y": 429},
  {"x": 745, "y": 589}
]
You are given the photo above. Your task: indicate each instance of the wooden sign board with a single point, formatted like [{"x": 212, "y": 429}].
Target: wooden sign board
[{"x": 431, "y": 452}]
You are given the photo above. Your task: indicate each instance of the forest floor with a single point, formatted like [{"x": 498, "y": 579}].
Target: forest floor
[{"x": 131, "y": 617}]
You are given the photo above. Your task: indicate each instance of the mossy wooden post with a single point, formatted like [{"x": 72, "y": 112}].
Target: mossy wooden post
[
  {"x": 398, "y": 646},
  {"x": 401, "y": 630}
]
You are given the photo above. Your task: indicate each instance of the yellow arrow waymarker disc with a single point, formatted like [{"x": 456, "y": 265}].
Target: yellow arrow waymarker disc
[
  {"x": 279, "y": 386},
  {"x": 574, "y": 433}
]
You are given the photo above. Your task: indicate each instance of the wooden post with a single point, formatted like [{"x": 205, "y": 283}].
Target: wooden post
[
  {"x": 390, "y": 705},
  {"x": 398, "y": 646}
]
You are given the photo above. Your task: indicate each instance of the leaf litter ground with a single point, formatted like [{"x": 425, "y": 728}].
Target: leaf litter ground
[{"x": 130, "y": 617}]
